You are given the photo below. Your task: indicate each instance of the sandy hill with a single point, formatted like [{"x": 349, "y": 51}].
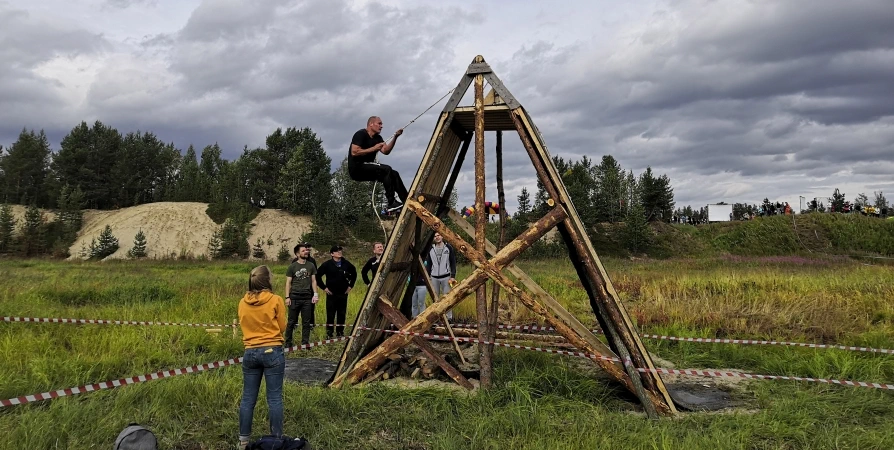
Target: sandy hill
[
  {"x": 18, "y": 212},
  {"x": 276, "y": 228},
  {"x": 175, "y": 229}
]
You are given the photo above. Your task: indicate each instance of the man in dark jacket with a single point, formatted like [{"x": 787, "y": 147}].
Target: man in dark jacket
[
  {"x": 336, "y": 277},
  {"x": 372, "y": 265}
]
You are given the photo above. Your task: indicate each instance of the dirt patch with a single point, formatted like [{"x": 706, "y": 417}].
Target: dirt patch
[{"x": 312, "y": 371}]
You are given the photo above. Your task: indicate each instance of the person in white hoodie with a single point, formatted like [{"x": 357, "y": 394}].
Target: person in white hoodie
[{"x": 262, "y": 317}]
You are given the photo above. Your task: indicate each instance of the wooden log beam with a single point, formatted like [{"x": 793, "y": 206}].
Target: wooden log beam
[
  {"x": 480, "y": 227},
  {"x": 423, "y": 322},
  {"x": 387, "y": 309},
  {"x": 654, "y": 398},
  {"x": 495, "y": 289}
]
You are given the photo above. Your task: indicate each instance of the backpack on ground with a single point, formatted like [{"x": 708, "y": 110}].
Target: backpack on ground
[
  {"x": 283, "y": 442},
  {"x": 135, "y": 437}
]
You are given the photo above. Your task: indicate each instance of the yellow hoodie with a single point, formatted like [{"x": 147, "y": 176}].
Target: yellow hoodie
[{"x": 262, "y": 317}]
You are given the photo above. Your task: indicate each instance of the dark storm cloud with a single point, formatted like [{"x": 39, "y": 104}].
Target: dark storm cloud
[
  {"x": 242, "y": 68},
  {"x": 28, "y": 41},
  {"x": 749, "y": 88},
  {"x": 740, "y": 99}
]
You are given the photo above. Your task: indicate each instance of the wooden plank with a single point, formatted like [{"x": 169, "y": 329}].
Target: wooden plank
[{"x": 387, "y": 309}]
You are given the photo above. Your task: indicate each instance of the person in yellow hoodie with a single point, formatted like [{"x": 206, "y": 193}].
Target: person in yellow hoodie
[{"x": 262, "y": 316}]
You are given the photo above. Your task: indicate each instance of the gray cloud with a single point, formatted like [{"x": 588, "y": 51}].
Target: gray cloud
[{"x": 736, "y": 99}]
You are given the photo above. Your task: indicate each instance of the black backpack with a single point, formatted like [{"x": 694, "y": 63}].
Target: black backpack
[
  {"x": 283, "y": 442},
  {"x": 135, "y": 437}
]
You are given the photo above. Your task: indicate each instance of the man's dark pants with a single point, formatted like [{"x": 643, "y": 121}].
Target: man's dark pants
[
  {"x": 302, "y": 304},
  {"x": 336, "y": 307},
  {"x": 384, "y": 174}
]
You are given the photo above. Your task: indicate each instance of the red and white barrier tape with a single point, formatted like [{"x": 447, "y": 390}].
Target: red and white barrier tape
[
  {"x": 109, "y": 322},
  {"x": 706, "y": 340},
  {"x": 458, "y": 325},
  {"x": 705, "y": 373},
  {"x": 133, "y": 322},
  {"x": 142, "y": 378}
]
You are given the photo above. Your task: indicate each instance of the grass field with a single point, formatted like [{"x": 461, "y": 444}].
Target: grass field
[{"x": 538, "y": 401}]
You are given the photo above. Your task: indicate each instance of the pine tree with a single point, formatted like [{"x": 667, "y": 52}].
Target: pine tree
[
  {"x": 26, "y": 167},
  {"x": 880, "y": 201},
  {"x": 637, "y": 234},
  {"x": 105, "y": 245},
  {"x": 215, "y": 244},
  {"x": 229, "y": 241},
  {"x": 139, "y": 246},
  {"x": 31, "y": 240},
  {"x": 70, "y": 216},
  {"x": 258, "y": 250},
  {"x": 609, "y": 190},
  {"x": 837, "y": 202},
  {"x": 284, "y": 254},
  {"x": 524, "y": 206},
  {"x": 7, "y": 226}
]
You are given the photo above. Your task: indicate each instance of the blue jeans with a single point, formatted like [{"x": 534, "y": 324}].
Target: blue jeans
[{"x": 269, "y": 363}]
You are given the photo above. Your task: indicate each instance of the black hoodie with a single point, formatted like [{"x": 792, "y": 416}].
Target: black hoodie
[{"x": 338, "y": 279}]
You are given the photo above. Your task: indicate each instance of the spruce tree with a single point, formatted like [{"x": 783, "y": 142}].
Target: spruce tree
[
  {"x": 31, "y": 241},
  {"x": 214, "y": 245},
  {"x": 139, "y": 246},
  {"x": 284, "y": 254},
  {"x": 837, "y": 202},
  {"x": 105, "y": 245},
  {"x": 7, "y": 226},
  {"x": 258, "y": 250}
]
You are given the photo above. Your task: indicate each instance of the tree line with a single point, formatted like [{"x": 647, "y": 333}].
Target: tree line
[{"x": 96, "y": 166}]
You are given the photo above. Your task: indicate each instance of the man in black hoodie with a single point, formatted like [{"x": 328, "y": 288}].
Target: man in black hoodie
[{"x": 340, "y": 276}]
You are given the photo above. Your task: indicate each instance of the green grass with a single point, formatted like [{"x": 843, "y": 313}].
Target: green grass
[{"x": 538, "y": 401}]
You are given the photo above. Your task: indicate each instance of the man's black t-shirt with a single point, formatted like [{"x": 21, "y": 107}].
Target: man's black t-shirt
[{"x": 362, "y": 140}]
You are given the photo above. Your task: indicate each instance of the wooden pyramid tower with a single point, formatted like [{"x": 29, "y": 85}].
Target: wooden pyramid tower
[{"x": 427, "y": 205}]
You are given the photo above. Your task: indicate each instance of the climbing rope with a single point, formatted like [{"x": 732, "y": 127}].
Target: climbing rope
[{"x": 376, "y": 159}]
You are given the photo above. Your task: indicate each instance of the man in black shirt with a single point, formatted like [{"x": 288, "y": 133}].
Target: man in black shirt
[
  {"x": 362, "y": 165},
  {"x": 336, "y": 277},
  {"x": 301, "y": 294},
  {"x": 372, "y": 264}
]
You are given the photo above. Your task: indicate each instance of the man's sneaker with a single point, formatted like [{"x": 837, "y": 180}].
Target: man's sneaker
[{"x": 394, "y": 206}]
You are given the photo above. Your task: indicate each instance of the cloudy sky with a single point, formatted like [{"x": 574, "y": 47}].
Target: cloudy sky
[{"x": 734, "y": 100}]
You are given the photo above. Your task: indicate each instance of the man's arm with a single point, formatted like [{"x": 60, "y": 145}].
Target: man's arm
[
  {"x": 452, "y": 261},
  {"x": 365, "y": 271},
  {"x": 357, "y": 151},
  {"x": 351, "y": 275},
  {"x": 390, "y": 145},
  {"x": 313, "y": 285},
  {"x": 288, "y": 289}
]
